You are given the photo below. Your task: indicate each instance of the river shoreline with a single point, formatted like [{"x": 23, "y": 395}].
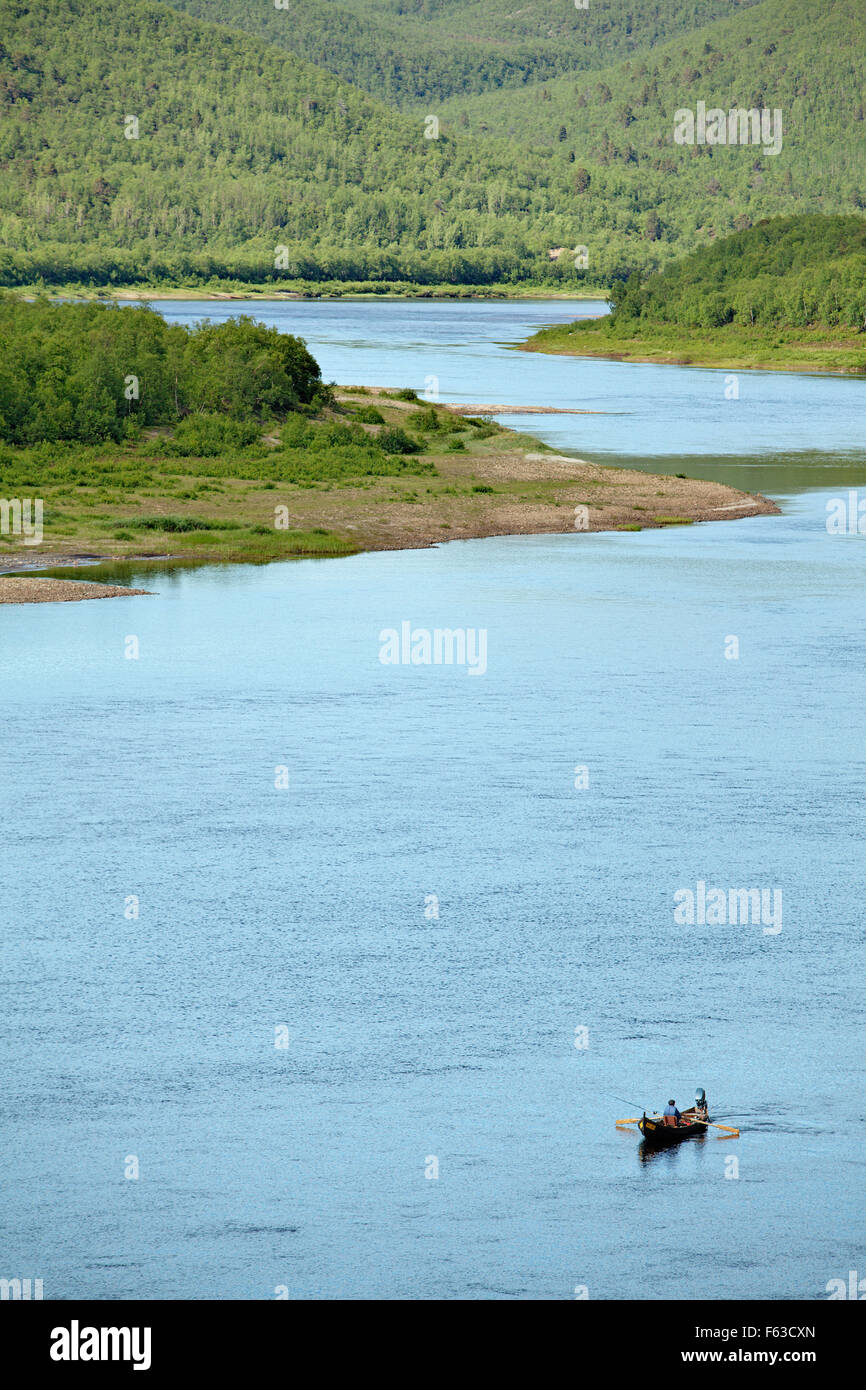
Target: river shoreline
[
  {"x": 619, "y": 500},
  {"x": 18, "y": 590},
  {"x": 477, "y": 484},
  {"x": 840, "y": 357},
  {"x": 331, "y": 293}
]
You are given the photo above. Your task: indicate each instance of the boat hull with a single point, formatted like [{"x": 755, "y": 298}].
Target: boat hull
[{"x": 657, "y": 1134}]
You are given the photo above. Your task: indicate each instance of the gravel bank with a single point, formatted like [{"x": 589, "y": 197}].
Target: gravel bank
[{"x": 15, "y": 589}]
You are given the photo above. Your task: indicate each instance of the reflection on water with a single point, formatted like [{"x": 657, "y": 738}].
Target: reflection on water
[
  {"x": 133, "y": 573},
  {"x": 648, "y": 1152},
  {"x": 773, "y": 474}
]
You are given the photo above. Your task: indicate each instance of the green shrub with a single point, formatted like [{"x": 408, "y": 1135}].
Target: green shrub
[
  {"x": 207, "y": 436},
  {"x": 178, "y": 524},
  {"x": 397, "y": 441},
  {"x": 88, "y": 373},
  {"x": 242, "y": 368},
  {"x": 296, "y": 433},
  {"x": 425, "y": 421}
]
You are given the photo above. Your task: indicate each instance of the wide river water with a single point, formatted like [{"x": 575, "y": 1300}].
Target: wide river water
[{"x": 350, "y": 963}]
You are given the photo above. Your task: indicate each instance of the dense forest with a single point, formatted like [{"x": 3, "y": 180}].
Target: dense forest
[
  {"x": 139, "y": 146},
  {"x": 142, "y": 146},
  {"x": 634, "y": 183},
  {"x": 803, "y": 272},
  {"x": 409, "y": 52}
]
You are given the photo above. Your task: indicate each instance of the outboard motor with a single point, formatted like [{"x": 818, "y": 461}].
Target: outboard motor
[{"x": 701, "y": 1100}]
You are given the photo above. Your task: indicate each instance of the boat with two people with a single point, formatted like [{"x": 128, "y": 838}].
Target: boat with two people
[{"x": 673, "y": 1126}]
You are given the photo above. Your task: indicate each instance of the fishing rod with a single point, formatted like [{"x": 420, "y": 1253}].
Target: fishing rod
[{"x": 636, "y": 1105}]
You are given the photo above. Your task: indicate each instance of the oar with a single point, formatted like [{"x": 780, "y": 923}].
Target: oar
[
  {"x": 628, "y": 1122},
  {"x": 728, "y": 1128}
]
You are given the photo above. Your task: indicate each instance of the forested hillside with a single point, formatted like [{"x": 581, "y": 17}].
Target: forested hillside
[
  {"x": 796, "y": 272},
  {"x": 614, "y": 129},
  {"x": 237, "y": 149},
  {"x": 139, "y": 145},
  {"x": 421, "y": 51}
]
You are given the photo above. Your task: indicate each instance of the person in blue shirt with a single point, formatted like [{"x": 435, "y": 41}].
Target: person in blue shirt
[{"x": 672, "y": 1115}]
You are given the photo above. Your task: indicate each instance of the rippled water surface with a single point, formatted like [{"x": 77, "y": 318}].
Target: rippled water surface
[{"x": 411, "y": 1037}]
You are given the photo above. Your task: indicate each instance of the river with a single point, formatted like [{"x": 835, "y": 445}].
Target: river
[{"x": 324, "y": 976}]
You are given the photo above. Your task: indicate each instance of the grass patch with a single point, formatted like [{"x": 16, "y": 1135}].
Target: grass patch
[
  {"x": 802, "y": 349},
  {"x": 179, "y": 525}
]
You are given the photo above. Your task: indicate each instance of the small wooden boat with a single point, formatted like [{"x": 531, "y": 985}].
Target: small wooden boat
[{"x": 657, "y": 1134}]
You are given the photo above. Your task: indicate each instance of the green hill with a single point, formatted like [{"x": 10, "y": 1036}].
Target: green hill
[
  {"x": 421, "y": 51},
  {"x": 789, "y": 291},
  {"x": 240, "y": 148},
  {"x": 636, "y": 195},
  {"x": 252, "y": 166}
]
